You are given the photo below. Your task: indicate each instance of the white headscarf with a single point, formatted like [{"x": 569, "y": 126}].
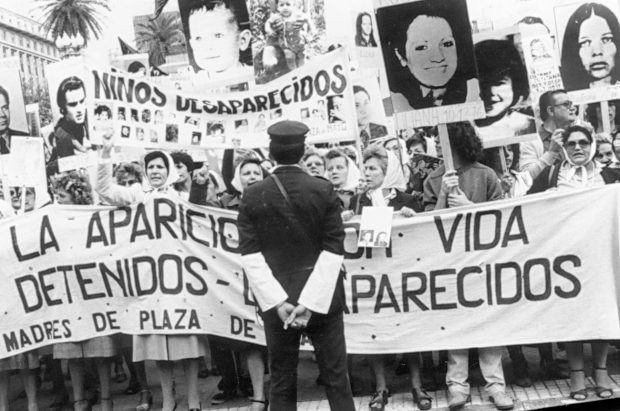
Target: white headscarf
[
  {"x": 236, "y": 181},
  {"x": 353, "y": 176},
  {"x": 394, "y": 180},
  {"x": 173, "y": 175},
  {"x": 568, "y": 169}
]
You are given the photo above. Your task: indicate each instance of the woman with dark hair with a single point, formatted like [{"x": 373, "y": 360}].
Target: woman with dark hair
[
  {"x": 218, "y": 33},
  {"x": 579, "y": 171},
  {"x": 364, "y": 36},
  {"x": 428, "y": 52},
  {"x": 470, "y": 182},
  {"x": 590, "y": 48},
  {"x": 503, "y": 85}
]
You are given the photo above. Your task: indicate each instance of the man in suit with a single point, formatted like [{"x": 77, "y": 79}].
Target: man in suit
[
  {"x": 292, "y": 252},
  {"x": 5, "y": 123}
]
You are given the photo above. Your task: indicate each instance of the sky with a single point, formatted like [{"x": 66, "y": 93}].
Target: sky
[{"x": 116, "y": 23}]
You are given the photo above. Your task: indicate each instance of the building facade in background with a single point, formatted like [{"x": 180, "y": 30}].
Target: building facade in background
[{"x": 24, "y": 38}]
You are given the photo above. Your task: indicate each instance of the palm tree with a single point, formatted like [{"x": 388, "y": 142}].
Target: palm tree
[
  {"x": 72, "y": 17},
  {"x": 157, "y": 37}
]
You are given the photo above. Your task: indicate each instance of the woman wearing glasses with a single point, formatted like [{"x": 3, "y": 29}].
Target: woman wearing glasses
[{"x": 579, "y": 170}]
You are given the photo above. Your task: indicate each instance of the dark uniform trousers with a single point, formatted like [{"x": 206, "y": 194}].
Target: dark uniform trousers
[
  {"x": 291, "y": 246},
  {"x": 327, "y": 335}
]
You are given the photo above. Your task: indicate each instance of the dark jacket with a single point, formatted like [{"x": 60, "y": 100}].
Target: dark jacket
[
  {"x": 548, "y": 178},
  {"x": 64, "y": 134},
  {"x": 290, "y": 244},
  {"x": 358, "y": 201}
]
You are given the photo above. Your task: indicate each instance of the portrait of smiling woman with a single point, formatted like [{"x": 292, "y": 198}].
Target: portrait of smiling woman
[
  {"x": 428, "y": 52},
  {"x": 590, "y": 48}
]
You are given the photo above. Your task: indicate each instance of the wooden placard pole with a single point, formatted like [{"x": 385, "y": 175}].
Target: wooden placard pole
[
  {"x": 502, "y": 159},
  {"x": 446, "y": 151},
  {"x": 604, "y": 120},
  {"x": 582, "y": 109}
]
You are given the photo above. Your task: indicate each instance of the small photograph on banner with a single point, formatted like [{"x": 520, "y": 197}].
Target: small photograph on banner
[{"x": 375, "y": 227}]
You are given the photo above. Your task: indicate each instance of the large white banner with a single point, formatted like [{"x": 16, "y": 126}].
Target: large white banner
[{"x": 510, "y": 272}]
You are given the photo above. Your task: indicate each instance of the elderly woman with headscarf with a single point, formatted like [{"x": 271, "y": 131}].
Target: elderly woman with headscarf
[
  {"x": 579, "y": 170},
  {"x": 161, "y": 174},
  {"x": 343, "y": 174},
  {"x": 386, "y": 184},
  {"x": 248, "y": 172}
]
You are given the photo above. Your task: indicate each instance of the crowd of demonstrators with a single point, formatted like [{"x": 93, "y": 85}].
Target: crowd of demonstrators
[{"x": 392, "y": 171}]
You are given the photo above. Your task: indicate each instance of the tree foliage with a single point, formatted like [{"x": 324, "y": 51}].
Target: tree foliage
[
  {"x": 158, "y": 36},
  {"x": 73, "y": 17}
]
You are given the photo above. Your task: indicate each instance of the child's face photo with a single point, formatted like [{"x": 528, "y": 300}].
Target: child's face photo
[
  {"x": 215, "y": 39},
  {"x": 285, "y": 7},
  {"x": 497, "y": 97}
]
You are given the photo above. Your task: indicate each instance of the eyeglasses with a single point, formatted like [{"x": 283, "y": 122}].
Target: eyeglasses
[
  {"x": 567, "y": 104},
  {"x": 571, "y": 145}
]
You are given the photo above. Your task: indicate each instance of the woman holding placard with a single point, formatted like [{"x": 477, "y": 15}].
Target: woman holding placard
[
  {"x": 386, "y": 184},
  {"x": 580, "y": 171},
  {"x": 161, "y": 174},
  {"x": 470, "y": 182},
  {"x": 590, "y": 55}
]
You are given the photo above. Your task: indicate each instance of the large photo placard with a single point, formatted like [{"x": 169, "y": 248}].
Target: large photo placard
[{"x": 430, "y": 64}]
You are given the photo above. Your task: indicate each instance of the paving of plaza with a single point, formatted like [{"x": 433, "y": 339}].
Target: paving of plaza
[{"x": 542, "y": 394}]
